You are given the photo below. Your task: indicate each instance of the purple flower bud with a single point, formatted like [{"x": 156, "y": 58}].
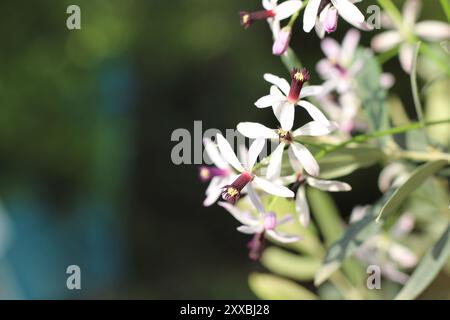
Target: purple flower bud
[
  {"x": 331, "y": 20},
  {"x": 270, "y": 221},
  {"x": 281, "y": 43}
]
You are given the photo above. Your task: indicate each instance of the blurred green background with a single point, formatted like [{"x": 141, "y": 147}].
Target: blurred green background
[{"x": 86, "y": 118}]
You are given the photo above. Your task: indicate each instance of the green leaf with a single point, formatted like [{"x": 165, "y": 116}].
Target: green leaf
[
  {"x": 428, "y": 268},
  {"x": 326, "y": 214},
  {"x": 354, "y": 236},
  {"x": 345, "y": 161},
  {"x": 270, "y": 287},
  {"x": 414, "y": 181},
  {"x": 373, "y": 96},
  {"x": 290, "y": 265}
]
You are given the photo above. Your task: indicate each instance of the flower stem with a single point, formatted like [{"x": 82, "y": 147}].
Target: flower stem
[{"x": 377, "y": 134}]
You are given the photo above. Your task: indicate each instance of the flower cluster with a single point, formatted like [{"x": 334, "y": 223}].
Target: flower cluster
[{"x": 333, "y": 108}]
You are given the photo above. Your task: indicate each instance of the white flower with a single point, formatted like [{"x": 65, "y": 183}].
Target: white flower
[
  {"x": 323, "y": 14},
  {"x": 273, "y": 13},
  {"x": 232, "y": 192},
  {"x": 429, "y": 30},
  {"x": 264, "y": 224},
  {"x": 287, "y": 137},
  {"x": 283, "y": 102},
  {"x": 219, "y": 175},
  {"x": 301, "y": 179},
  {"x": 385, "y": 250}
]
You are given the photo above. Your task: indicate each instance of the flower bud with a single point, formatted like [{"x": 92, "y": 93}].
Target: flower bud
[{"x": 281, "y": 43}]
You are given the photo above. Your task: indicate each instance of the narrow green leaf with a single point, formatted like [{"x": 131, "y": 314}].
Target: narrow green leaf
[
  {"x": 290, "y": 265},
  {"x": 326, "y": 214},
  {"x": 355, "y": 235},
  {"x": 373, "y": 96},
  {"x": 347, "y": 160},
  {"x": 414, "y": 181},
  {"x": 270, "y": 287},
  {"x": 428, "y": 268}
]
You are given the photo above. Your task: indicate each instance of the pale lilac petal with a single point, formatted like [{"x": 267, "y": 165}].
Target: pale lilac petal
[
  {"x": 228, "y": 153},
  {"x": 433, "y": 30},
  {"x": 404, "y": 225},
  {"x": 281, "y": 237},
  {"x": 348, "y": 11},
  {"x": 241, "y": 216},
  {"x": 301, "y": 206},
  {"x": 255, "y": 130},
  {"x": 314, "y": 112},
  {"x": 313, "y": 128},
  {"x": 387, "y": 80},
  {"x": 213, "y": 153},
  {"x": 286, "y": 219},
  {"x": 281, "y": 43},
  {"x": 267, "y": 101},
  {"x": 287, "y": 9},
  {"x": 406, "y": 57},
  {"x": 349, "y": 45},
  {"x": 411, "y": 10},
  {"x": 311, "y": 12},
  {"x": 281, "y": 83},
  {"x": 403, "y": 256},
  {"x": 249, "y": 230},
  {"x": 311, "y": 91},
  {"x": 330, "y": 48},
  {"x": 287, "y": 115},
  {"x": 274, "y": 168},
  {"x": 389, "y": 174},
  {"x": 385, "y": 41},
  {"x": 306, "y": 159},
  {"x": 331, "y": 20},
  {"x": 273, "y": 188},
  {"x": 254, "y": 151},
  {"x": 328, "y": 185},
  {"x": 358, "y": 213}
]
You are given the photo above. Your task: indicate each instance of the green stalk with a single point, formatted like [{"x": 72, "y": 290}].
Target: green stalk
[{"x": 377, "y": 134}]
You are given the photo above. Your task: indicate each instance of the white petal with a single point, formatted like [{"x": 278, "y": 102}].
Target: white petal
[
  {"x": 254, "y": 199},
  {"x": 212, "y": 196},
  {"x": 314, "y": 112},
  {"x": 320, "y": 27},
  {"x": 311, "y": 91},
  {"x": 385, "y": 41},
  {"x": 279, "y": 82},
  {"x": 406, "y": 57},
  {"x": 254, "y": 151},
  {"x": 411, "y": 9},
  {"x": 241, "y": 216},
  {"x": 228, "y": 153},
  {"x": 287, "y": 115},
  {"x": 281, "y": 237},
  {"x": 287, "y": 9},
  {"x": 267, "y": 101},
  {"x": 313, "y": 128},
  {"x": 268, "y": 4},
  {"x": 273, "y": 188},
  {"x": 213, "y": 153},
  {"x": 296, "y": 165},
  {"x": 349, "y": 45},
  {"x": 249, "y": 230},
  {"x": 274, "y": 168},
  {"x": 215, "y": 183},
  {"x": 306, "y": 159},
  {"x": 310, "y": 15},
  {"x": 301, "y": 206},
  {"x": 330, "y": 48},
  {"x": 255, "y": 130},
  {"x": 328, "y": 185},
  {"x": 348, "y": 11},
  {"x": 433, "y": 30},
  {"x": 402, "y": 255}
]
